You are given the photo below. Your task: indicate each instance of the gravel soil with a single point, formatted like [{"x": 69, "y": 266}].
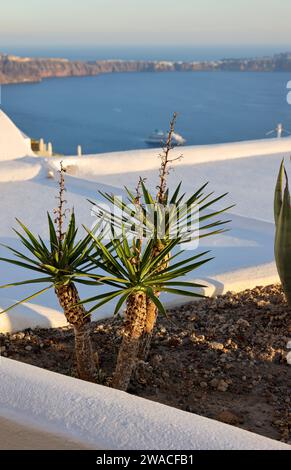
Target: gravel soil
[{"x": 224, "y": 358}]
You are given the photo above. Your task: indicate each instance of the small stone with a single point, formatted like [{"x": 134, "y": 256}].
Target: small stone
[
  {"x": 195, "y": 338},
  {"x": 214, "y": 383},
  {"x": 244, "y": 378},
  {"x": 262, "y": 304},
  {"x": 28, "y": 348},
  {"x": 157, "y": 359},
  {"x": 165, "y": 374},
  {"x": 200, "y": 337},
  {"x": 2, "y": 349},
  {"x": 203, "y": 385},
  {"x": 244, "y": 324},
  {"x": 289, "y": 345},
  {"x": 216, "y": 346},
  {"x": 192, "y": 318},
  {"x": 222, "y": 386},
  {"x": 223, "y": 358},
  {"x": 20, "y": 336},
  {"x": 228, "y": 417},
  {"x": 175, "y": 342},
  {"x": 288, "y": 359}
]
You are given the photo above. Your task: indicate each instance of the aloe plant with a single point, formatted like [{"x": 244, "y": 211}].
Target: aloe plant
[
  {"x": 282, "y": 214},
  {"x": 59, "y": 265}
]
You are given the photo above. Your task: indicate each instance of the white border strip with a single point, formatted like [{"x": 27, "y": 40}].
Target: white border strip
[{"x": 103, "y": 418}]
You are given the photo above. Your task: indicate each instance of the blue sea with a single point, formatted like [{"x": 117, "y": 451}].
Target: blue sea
[{"x": 118, "y": 111}]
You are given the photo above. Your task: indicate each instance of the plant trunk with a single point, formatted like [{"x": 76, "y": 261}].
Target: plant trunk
[
  {"x": 135, "y": 318},
  {"x": 76, "y": 315},
  {"x": 152, "y": 313},
  {"x": 147, "y": 336}
]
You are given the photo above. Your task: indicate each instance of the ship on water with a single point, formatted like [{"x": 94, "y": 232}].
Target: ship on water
[{"x": 158, "y": 138}]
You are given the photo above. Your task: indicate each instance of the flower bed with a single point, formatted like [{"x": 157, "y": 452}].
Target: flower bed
[{"x": 222, "y": 358}]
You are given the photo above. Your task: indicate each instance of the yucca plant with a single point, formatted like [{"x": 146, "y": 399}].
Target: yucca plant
[
  {"x": 186, "y": 219},
  {"x": 135, "y": 274},
  {"x": 59, "y": 264},
  {"x": 176, "y": 214},
  {"x": 282, "y": 214}
]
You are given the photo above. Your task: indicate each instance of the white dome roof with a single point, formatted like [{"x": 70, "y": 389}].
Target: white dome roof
[{"x": 13, "y": 143}]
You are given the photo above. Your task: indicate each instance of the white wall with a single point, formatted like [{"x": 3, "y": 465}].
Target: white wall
[
  {"x": 102, "y": 418},
  {"x": 13, "y": 144},
  {"x": 122, "y": 163}
]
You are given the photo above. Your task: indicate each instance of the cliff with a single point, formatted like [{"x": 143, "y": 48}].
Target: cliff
[{"x": 19, "y": 69}]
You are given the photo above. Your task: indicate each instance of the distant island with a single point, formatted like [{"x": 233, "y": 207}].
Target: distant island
[{"x": 15, "y": 69}]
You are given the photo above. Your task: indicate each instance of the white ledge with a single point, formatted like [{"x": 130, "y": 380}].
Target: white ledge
[{"x": 96, "y": 417}]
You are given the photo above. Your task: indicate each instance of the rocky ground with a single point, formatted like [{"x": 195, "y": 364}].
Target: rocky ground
[{"x": 223, "y": 358}]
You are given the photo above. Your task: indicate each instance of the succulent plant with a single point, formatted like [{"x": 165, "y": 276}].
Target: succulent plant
[{"x": 282, "y": 213}]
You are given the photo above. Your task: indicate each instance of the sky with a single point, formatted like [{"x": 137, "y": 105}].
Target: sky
[{"x": 145, "y": 22}]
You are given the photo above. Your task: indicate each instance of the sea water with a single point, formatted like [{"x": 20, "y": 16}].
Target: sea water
[{"x": 118, "y": 111}]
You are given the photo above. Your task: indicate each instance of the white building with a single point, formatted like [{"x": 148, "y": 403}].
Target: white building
[{"x": 13, "y": 143}]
